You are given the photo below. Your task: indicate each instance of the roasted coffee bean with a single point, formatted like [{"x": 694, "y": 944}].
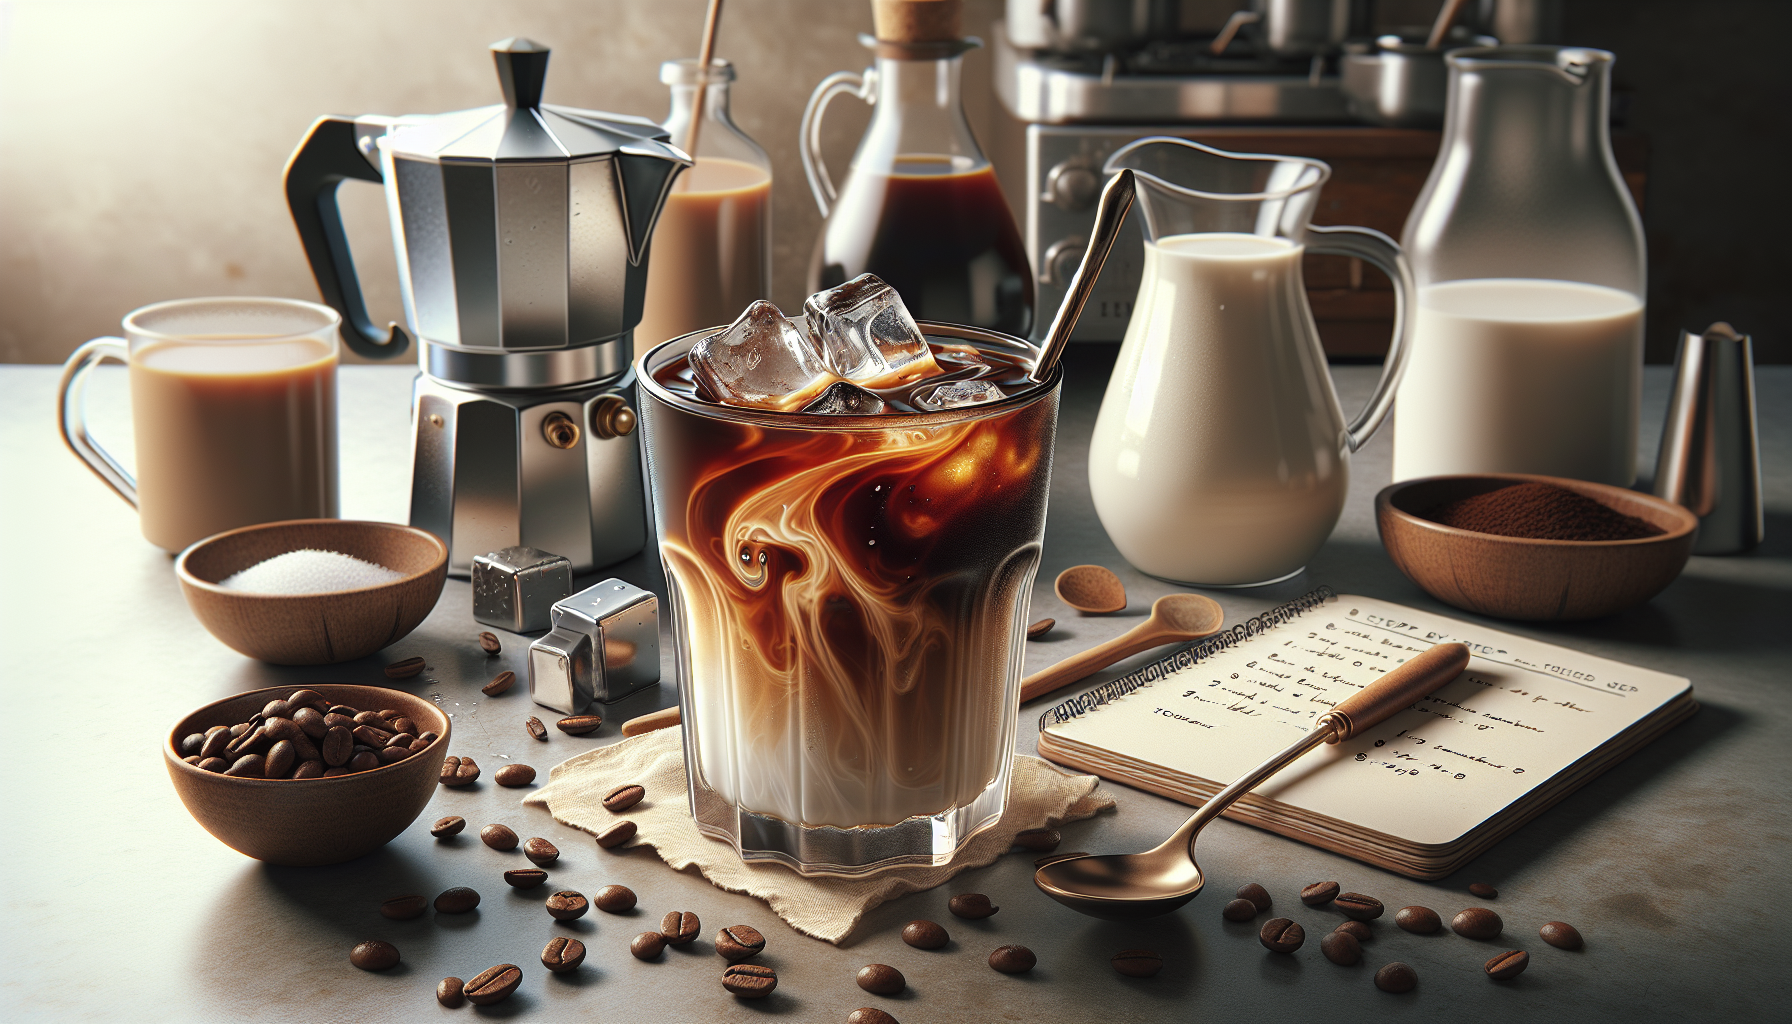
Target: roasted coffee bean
[
  {"x": 404, "y": 726},
  {"x": 403, "y": 908},
  {"x": 1012, "y": 959},
  {"x": 562, "y": 954},
  {"x": 614, "y": 899},
  {"x": 488, "y": 642},
  {"x": 972, "y": 906},
  {"x": 1477, "y": 923},
  {"x": 191, "y": 759},
  {"x": 278, "y": 729},
  {"x": 1053, "y": 858},
  {"x": 449, "y": 826},
  {"x": 750, "y": 981},
  {"x": 249, "y": 766},
  {"x": 567, "y": 905},
  {"x": 500, "y": 684},
  {"x": 365, "y": 761},
  {"x": 623, "y": 797},
  {"x": 540, "y": 851},
  {"x": 1357, "y": 906},
  {"x": 276, "y": 709},
  {"x": 375, "y": 738},
  {"x": 1280, "y": 935},
  {"x": 418, "y": 745},
  {"x": 1341, "y": 948},
  {"x": 1482, "y": 890},
  {"x": 1396, "y": 977},
  {"x": 1039, "y": 840},
  {"x": 579, "y": 725},
  {"x": 255, "y": 741},
  {"x": 1418, "y": 920},
  {"x": 334, "y": 720},
  {"x": 1359, "y": 930},
  {"x": 498, "y": 837},
  {"x": 303, "y": 698},
  {"x": 374, "y": 955},
  {"x": 341, "y": 709},
  {"x": 1239, "y": 910},
  {"x": 449, "y": 992},
  {"x": 216, "y": 742},
  {"x": 1040, "y": 628},
  {"x": 393, "y": 755},
  {"x": 1507, "y": 965},
  {"x": 493, "y": 985},
  {"x": 428, "y": 737},
  {"x": 310, "y": 722},
  {"x": 1319, "y": 894},
  {"x": 616, "y": 835},
  {"x": 192, "y": 743},
  {"x": 525, "y": 878},
  {"x": 457, "y": 900},
  {"x": 303, "y": 749},
  {"x": 280, "y": 760},
  {"x": 1137, "y": 963},
  {"x": 459, "y": 771},
  {"x": 924, "y": 935},
  {"x": 309, "y": 770},
  {"x": 1559, "y": 934},
  {"x": 514, "y": 775},
  {"x": 647, "y": 945},
  {"x": 404, "y": 669},
  {"x": 881, "y": 979},
  {"x": 739, "y": 942},
  {"x": 240, "y": 728},
  {"x": 1258, "y": 895},
  {"x": 536, "y": 729},
  {"x": 869, "y": 1015},
  {"x": 681, "y": 927},
  {"x": 338, "y": 746},
  {"x": 213, "y": 764}
]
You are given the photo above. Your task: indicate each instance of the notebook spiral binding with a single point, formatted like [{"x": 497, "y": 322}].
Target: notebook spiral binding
[{"x": 1183, "y": 657}]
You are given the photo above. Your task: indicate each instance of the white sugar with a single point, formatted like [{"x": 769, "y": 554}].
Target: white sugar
[{"x": 309, "y": 571}]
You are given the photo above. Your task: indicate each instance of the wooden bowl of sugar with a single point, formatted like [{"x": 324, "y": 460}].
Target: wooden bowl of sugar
[
  {"x": 313, "y": 591},
  {"x": 1530, "y": 578}
]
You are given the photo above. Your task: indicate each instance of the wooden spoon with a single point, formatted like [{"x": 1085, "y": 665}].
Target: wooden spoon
[
  {"x": 1091, "y": 589},
  {"x": 1174, "y": 618},
  {"x": 665, "y": 718}
]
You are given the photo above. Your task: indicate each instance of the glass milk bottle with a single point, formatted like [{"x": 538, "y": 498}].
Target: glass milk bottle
[
  {"x": 712, "y": 247},
  {"x": 1528, "y": 255}
]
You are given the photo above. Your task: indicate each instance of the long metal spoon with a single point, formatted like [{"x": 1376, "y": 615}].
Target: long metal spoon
[
  {"x": 1116, "y": 199},
  {"x": 1133, "y": 886}
]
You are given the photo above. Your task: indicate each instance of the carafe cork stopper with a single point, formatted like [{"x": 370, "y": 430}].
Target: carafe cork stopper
[{"x": 917, "y": 21}]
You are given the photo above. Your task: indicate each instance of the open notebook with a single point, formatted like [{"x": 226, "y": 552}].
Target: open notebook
[{"x": 1423, "y": 793}]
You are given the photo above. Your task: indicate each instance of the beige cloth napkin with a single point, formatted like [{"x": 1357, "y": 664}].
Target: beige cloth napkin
[{"x": 1040, "y": 795}]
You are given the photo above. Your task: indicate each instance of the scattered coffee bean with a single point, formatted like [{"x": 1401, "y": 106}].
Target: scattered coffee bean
[
  {"x": 1418, "y": 920},
  {"x": 1341, "y": 948},
  {"x": 1477, "y": 923},
  {"x": 567, "y": 905},
  {"x": 494, "y": 984},
  {"x": 1561, "y": 935},
  {"x": 1053, "y": 858},
  {"x": 1137, "y": 963},
  {"x": 449, "y": 826},
  {"x": 579, "y": 725},
  {"x": 1012, "y": 959},
  {"x": 488, "y": 642},
  {"x": 457, "y": 900},
  {"x": 540, "y": 851},
  {"x": 404, "y": 669},
  {"x": 616, "y": 835},
  {"x": 525, "y": 878},
  {"x": 1239, "y": 910},
  {"x": 1396, "y": 977},
  {"x": 1039, "y": 840},
  {"x": 536, "y": 729},
  {"x": 924, "y": 935},
  {"x": 972, "y": 906},
  {"x": 1507, "y": 965},
  {"x": 750, "y": 981},
  {"x": 459, "y": 771},
  {"x": 869, "y": 1015},
  {"x": 647, "y": 945},
  {"x": 374, "y": 955},
  {"x": 1280, "y": 935},
  {"x": 614, "y": 899},
  {"x": 1258, "y": 895},
  {"x": 249, "y": 766},
  {"x": 739, "y": 942},
  {"x": 562, "y": 954},
  {"x": 681, "y": 928},
  {"x": 216, "y": 765},
  {"x": 1319, "y": 894},
  {"x": 499, "y": 684},
  {"x": 623, "y": 797},
  {"x": 498, "y": 837},
  {"x": 1482, "y": 890},
  {"x": 403, "y": 908},
  {"x": 514, "y": 775},
  {"x": 881, "y": 979},
  {"x": 1040, "y": 628},
  {"x": 1358, "y": 930},
  {"x": 449, "y": 992},
  {"x": 1357, "y": 906}
]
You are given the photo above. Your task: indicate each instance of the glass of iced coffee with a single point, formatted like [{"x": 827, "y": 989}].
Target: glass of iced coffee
[{"x": 850, "y": 511}]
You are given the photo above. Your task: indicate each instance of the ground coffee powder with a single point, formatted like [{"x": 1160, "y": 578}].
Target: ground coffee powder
[{"x": 1540, "y": 511}]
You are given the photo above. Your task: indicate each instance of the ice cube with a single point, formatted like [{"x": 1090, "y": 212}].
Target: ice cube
[
  {"x": 958, "y": 394},
  {"x": 868, "y": 335},
  {"x": 844, "y": 398},
  {"x": 762, "y": 361}
]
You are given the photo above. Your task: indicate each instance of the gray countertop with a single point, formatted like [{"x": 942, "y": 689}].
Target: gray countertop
[{"x": 117, "y": 905}]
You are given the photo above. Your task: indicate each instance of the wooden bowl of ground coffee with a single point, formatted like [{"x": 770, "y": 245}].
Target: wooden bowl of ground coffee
[{"x": 1516, "y": 546}]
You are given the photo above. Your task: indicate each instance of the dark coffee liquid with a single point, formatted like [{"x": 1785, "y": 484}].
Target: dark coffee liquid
[
  {"x": 945, "y": 241},
  {"x": 959, "y": 362}
]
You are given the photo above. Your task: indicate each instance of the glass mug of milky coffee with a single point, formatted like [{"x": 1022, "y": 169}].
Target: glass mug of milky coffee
[
  {"x": 850, "y": 515},
  {"x": 233, "y": 403}
]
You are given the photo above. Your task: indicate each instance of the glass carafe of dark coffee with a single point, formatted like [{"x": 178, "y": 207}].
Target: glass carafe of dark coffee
[{"x": 920, "y": 207}]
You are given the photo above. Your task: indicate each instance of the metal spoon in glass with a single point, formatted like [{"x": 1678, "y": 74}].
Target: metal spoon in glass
[{"x": 1132, "y": 886}]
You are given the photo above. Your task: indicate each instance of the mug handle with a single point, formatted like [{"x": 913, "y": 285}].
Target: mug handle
[
  {"x": 72, "y": 415},
  {"x": 864, "y": 87},
  {"x": 1383, "y": 253}
]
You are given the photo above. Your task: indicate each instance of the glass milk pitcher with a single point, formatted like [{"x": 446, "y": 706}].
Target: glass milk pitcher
[{"x": 1220, "y": 456}]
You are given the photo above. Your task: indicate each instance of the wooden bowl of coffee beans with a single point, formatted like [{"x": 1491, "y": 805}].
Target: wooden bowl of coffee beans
[
  {"x": 1537, "y": 548},
  {"x": 296, "y": 784}
]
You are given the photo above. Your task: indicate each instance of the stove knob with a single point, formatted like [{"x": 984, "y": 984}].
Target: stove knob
[
  {"x": 1071, "y": 186},
  {"x": 1061, "y": 260}
]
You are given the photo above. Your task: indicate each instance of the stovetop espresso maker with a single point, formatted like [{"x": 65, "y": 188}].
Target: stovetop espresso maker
[{"x": 522, "y": 235}]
